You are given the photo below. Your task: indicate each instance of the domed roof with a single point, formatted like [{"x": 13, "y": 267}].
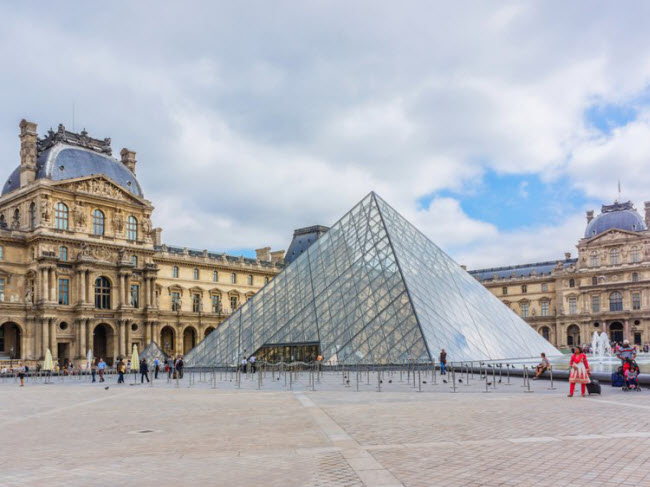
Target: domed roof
[
  {"x": 621, "y": 216},
  {"x": 65, "y": 155}
]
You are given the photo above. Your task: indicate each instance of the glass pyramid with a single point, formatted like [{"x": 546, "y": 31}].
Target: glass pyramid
[
  {"x": 153, "y": 352},
  {"x": 374, "y": 290}
]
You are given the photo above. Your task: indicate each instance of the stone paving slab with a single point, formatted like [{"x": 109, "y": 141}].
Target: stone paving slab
[{"x": 76, "y": 433}]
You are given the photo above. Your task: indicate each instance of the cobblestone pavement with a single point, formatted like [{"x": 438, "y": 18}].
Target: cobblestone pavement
[{"x": 226, "y": 433}]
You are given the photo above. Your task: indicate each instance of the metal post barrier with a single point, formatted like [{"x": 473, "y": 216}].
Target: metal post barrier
[
  {"x": 467, "y": 367},
  {"x": 435, "y": 373},
  {"x": 508, "y": 372},
  {"x": 419, "y": 382},
  {"x": 290, "y": 381},
  {"x": 494, "y": 377},
  {"x": 550, "y": 371},
  {"x": 453, "y": 377},
  {"x": 487, "y": 388},
  {"x": 527, "y": 379},
  {"x": 500, "y": 372},
  {"x": 523, "y": 375},
  {"x": 358, "y": 374},
  {"x": 378, "y": 382}
]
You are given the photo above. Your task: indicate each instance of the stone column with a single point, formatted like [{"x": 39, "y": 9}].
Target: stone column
[
  {"x": 122, "y": 328},
  {"x": 82, "y": 338},
  {"x": 53, "y": 343},
  {"x": 45, "y": 329},
  {"x": 87, "y": 295},
  {"x": 26, "y": 339},
  {"x": 127, "y": 327},
  {"x": 120, "y": 292},
  {"x": 147, "y": 332},
  {"x": 626, "y": 331},
  {"x": 152, "y": 289},
  {"x": 37, "y": 338},
  {"x": 44, "y": 282},
  {"x": 116, "y": 344},
  {"x": 127, "y": 290},
  {"x": 145, "y": 292},
  {"x": 52, "y": 284}
]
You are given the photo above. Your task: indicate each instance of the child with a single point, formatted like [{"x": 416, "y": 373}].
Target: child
[{"x": 631, "y": 375}]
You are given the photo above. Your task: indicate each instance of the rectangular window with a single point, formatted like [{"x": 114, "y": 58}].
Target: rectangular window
[
  {"x": 250, "y": 280},
  {"x": 573, "y": 306},
  {"x": 196, "y": 303},
  {"x": 176, "y": 301},
  {"x": 544, "y": 308},
  {"x": 524, "y": 310},
  {"x": 63, "y": 254},
  {"x": 233, "y": 302},
  {"x": 595, "y": 304},
  {"x": 594, "y": 261},
  {"x": 2, "y": 252},
  {"x": 175, "y": 272},
  {"x": 216, "y": 303},
  {"x": 635, "y": 255},
  {"x": 135, "y": 295},
  {"x": 504, "y": 291},
  {"x": 2, "y": 289},
  {"x": 636, "y": 300},
  {"x": 544, "y": 287},
  {"x": 233, "y": 278},
  {"x": 64, "y": 297},
  {"x": 215, "y": 276},
  {"x": 196, "y": 274}
]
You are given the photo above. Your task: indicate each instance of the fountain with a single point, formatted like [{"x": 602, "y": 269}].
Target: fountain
[{"x": 600, "y": 347}]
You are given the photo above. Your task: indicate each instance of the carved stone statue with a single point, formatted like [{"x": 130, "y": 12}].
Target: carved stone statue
[
  {"x": 46, "y": 209},
  {"x": 79, "y": 213},
  {"x": 118, "y": 221},
  {"x": 146, "y": 225}
]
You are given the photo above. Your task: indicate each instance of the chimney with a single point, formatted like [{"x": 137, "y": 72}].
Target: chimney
[
  {"x": 567, "y": 255},
  {"x": 590, "y": 215},
  {"x": 157, "y": 236},
  {"x": 28, "y": 136},
  {"x": 647, "y": 214},
  {"x": 128, "y": 159},
  {"x": 277, "y": 257},
  {"x": 264, "y": 254}
]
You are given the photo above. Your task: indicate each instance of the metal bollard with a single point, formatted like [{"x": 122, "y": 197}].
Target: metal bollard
[
  {"x": 453, "y": 377},
  {"x": 508, "y": 372},
  {"x": 550, "y": 371},
  {"x": 358, "y": 374},
  {"x": 378, "y": 382},
  {"x": 494, "y": 378},
  {"x": 419, "y": 382},
  {"x": 527, "y": 379},
  {"x": 435, "y": 373},
  {"x": 487, "y": 386}
]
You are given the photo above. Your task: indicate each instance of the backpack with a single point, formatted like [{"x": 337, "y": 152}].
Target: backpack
[{"x": 617, "y": 380}]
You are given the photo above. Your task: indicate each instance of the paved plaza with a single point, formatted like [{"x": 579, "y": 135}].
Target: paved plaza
[{"x": 223, "y": 433}]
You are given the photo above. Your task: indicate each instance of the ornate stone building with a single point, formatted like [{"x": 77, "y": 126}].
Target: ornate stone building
[
  {"x": 82, "y": 268},
  {"x": 606, "y": 288}
]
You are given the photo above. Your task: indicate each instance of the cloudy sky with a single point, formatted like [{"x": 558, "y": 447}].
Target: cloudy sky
[{"x": 492, "y": 127}]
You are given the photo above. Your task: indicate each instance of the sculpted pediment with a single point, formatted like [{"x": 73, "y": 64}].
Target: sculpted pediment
[
  {"x": 99, "y": 186},
  {"x": 612, "y": 235}
]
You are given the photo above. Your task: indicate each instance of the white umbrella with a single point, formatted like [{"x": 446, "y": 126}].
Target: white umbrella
[
  {"x": 48, "y": 364},
  {"x": 135, "y": 359},
  {"x": 89, "y": 357}
]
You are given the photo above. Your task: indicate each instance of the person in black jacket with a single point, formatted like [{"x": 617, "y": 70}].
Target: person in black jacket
[{"x": 144, "y": 371}]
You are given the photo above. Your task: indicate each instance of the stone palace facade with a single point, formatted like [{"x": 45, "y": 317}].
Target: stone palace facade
[
  {"x": 81, "y": 266},
  {"x": 606, "y": 288}
]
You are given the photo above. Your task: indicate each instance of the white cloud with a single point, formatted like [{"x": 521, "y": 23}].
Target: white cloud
[{"x": 250, "y": 122}]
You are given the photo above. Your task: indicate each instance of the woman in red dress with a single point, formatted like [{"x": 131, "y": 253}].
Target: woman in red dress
[{"x": 579, "y": 371}]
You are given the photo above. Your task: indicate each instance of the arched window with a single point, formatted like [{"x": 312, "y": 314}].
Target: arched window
[
  {"x": 16, "y": 222},
  {"x": 594, "y": 260},
  {"x": 233, "y": 278},
  {"x": 196, "y": 274},
  {"x": 572, "y": 283},
  {"x": 545, "y": 332},
  {"x": 250, "y": 279},
  {"x": 175, "y": 271},
  {"x": 635, "y": 255},
  {"x": 3, "y": 223},
  {"x": 102, "y": 293},
  {"x": 61, "y": 216},
  {"x": 32, "y": 216},
  {"x": 635, "y": 277},
  {"x": 98, "y": 222},
  {"x": 131, "y": 228},
  {"x": 215, "y": 276},
  {"x": 134, "y": 260},
  {"x": 234, "y": 302},
  {"x": 614, "y": 256},
  {"x": 616, "y": 301},
  {"x": 63, "y": 253},
  {"x": 573, "y": 335}
]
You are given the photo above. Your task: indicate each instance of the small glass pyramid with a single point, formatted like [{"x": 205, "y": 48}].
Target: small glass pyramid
[{"x": 374, "y": 290}]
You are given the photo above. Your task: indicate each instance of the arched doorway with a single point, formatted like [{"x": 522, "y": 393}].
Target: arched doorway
[
  {"x": 10, "y": 341},
  {"x": 167, "y": 340},
  {"x": 103, "y": 337},
  {"x": 545, "y": 331},
  {"x": 209, "y": 330},
  {"x": 189, "y": 339},
  {"x": 616, "y": 331},
  {"x": 573, "y": 336}
]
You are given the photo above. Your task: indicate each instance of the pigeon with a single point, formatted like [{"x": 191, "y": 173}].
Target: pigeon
[
  {"x": 460, "y": 381},
  {"x": 444, "y": 380},
  {"x": 390, "y": 381},
  {"x": 106, "y": 388},
  {"x": 424, "y": 381},
  {"x": 489, "y": 383}
]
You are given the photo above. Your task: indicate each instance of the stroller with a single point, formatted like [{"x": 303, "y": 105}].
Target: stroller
[{"x": 631, "y": 373}]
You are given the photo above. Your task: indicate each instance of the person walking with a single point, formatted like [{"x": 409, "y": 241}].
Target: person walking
[
  {"x": 443, "y": 362},
  {"x": 251, "y": 361},
  {"x": 101, "y": 366},
  {"x": 579, "y": 371},
  {"x": 179, "y": 366},
  {"x": 144, "y": 371},
  {"x": 93, "y": 369},
  {"x": 121, "y": 368},
  {"x": 156, "y": 367},
  {"x": 244, "y": 365},
  {"x": 170, "y": 367},
  {"x": 20, "y": 373}
]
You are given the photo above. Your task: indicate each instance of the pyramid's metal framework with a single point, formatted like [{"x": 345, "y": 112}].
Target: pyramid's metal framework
[
  {"x": 374, "y": 290},
  {"x": 153, "y": 352}
]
